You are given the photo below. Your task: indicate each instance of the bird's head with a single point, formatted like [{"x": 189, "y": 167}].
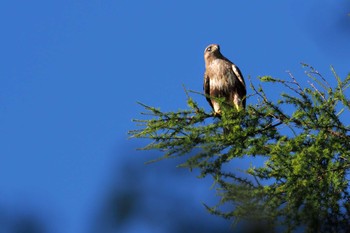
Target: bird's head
[{"x": 212, "y": 51}]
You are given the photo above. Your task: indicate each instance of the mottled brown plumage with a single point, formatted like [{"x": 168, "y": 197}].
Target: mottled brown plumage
[{"x": 222, "y": 79}]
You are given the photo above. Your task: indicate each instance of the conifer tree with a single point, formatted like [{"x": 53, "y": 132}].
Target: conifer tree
[{"x": 303, "y": 139}]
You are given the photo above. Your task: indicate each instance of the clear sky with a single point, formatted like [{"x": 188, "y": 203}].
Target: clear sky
[{"x": 71, "y": 72}]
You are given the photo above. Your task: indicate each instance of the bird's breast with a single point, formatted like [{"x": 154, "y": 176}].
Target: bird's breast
[{"x": 220, "y": 77}]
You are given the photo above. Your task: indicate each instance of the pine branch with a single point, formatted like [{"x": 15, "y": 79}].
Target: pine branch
[{"x": 304, "y": 180}]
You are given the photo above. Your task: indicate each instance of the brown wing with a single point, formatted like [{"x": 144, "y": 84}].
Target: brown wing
[
  {"x": 240, "y": 85},
  {"x": 206, "y": 88}
]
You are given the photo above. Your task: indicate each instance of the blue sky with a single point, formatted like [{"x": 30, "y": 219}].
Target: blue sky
[{"x": 71, "y": 73}]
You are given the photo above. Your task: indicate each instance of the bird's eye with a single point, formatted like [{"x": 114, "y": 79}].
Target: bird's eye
[{"x": 209, "y": 49}]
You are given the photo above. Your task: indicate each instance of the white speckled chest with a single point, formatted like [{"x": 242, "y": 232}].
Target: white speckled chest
[{"x": 223, "y": 78}]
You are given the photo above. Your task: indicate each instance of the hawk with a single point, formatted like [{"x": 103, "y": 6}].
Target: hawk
[{"x": 222, "y": 79}]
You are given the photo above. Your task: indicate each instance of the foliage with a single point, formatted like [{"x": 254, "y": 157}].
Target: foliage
[{"x": 302, "y": 139}]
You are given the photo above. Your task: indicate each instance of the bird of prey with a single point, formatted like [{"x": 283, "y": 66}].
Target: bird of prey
[{"x": 222, "y": 79}]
